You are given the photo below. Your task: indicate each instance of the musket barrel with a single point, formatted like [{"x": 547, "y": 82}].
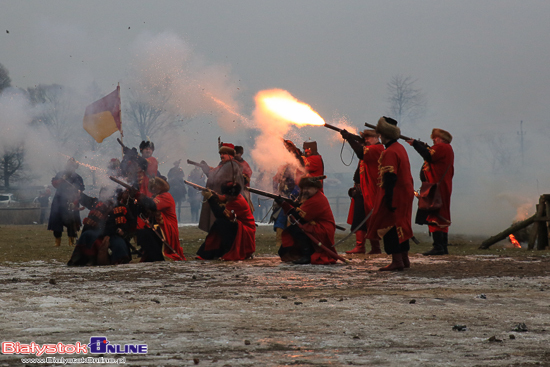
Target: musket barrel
[
  {"x": 400, "y": 136},
  {"x": 193, "y": 163},
  {"x": 121, "y": 183},
  {"x": 332, "y": 127}
]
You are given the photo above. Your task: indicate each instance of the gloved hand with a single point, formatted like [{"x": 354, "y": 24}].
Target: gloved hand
[
  {"x": 351, "y": 192},
  {"x": 345, "y": 134},
  {"x": 279, "y": 200},
  {"x": 207, "y": 194}
]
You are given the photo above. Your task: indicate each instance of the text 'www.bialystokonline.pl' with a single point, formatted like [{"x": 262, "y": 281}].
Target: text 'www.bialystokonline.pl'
[{"x": 63, "y": 360}]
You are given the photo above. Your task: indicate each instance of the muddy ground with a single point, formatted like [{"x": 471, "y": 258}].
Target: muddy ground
[{"x": 262, "y": 312}]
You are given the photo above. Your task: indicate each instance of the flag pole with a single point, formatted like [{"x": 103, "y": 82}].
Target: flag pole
[{"x": 121, "y": 133}]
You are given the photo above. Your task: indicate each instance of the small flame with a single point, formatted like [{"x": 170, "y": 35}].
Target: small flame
[
  {"x": 514, "y": 241},
  {"x": 283, "y": 105}
]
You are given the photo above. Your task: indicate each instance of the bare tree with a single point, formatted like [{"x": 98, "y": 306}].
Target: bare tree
[
  {"x": 5, "y": 81},
  {"x": 149, "y": 114},
  {"x": 57, "y": 111},
  {"x": 407, "y": 104},
  {"x": 11, "y": 163}
]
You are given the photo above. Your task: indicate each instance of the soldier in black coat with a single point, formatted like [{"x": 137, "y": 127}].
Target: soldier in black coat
[{"x": 65, "y": 204}]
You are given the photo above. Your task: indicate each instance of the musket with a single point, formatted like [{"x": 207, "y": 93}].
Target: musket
[
  {"x": 193, "y": 163},
  {"x": 354, "y": 136},
  {"x": 400, "y": 136},
  {"x": 272, "y": 196},
  {"x": 288, "y": 200},
  {"x": 201, "y": 188},
  {"x": 121, "y": 183},
  {"x": 318, "y": 243}
]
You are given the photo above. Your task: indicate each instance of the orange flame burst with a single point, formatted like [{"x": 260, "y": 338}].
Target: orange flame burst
[
  {"x": 514, "y": 241},
  {"x": 283, "y": 105}
]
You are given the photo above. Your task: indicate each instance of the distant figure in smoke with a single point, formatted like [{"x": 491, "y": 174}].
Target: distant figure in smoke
[
  {"x": 44, "y": 201},
  {"x": 438, "y": 167},
  {"x": 177, "y": 186},
  {"x": 193, "y": 196},
  {"x": 247, "y": 171},
  {"x": 113, "y": 168},
  {"x": 65, "y": 204}
]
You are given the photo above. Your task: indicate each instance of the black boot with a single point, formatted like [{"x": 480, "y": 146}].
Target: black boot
[
  {"x": 445, "y": 243},
  {"x": 437, "y": 248},
  {"x": 306, "y": 248}
]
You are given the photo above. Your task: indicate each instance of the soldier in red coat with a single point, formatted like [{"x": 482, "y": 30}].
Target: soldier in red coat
[
  {"x": 391, "y": 218},
  {"x": 233, "y": 234},
  {"x": 365, "y": 187},
  {"x": 317, "y": 220},
  {"x": 310, "y": 159},
  {"x": 438, "y": 168},
  {"x": 147, "y": 148},
  {"x": 162, "y": 220}
]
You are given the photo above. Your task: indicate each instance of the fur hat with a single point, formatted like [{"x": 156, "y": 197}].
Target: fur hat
[
  {"x": 369, "y": 133},
  {"x": 146, "y": 144},
  {"x": 311, "y": 145},
  {"x": 310, "y": 182},
  {"x": 227, "y": 148},
  {"x": 440, "y": 133},
  {"x": 161, "y": 185},
  {"x": 231, "y": 188},
  {"x": 387, "y": 127}
]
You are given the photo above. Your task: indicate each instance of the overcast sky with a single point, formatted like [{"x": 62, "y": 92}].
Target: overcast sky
[{"x": 483, "y": 65}]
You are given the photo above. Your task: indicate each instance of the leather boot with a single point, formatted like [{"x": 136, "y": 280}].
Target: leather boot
[
  {"x": 406, "y": 261},
  {"x": 396, "y": 263},
  {"x": 445, "y": 243},
  {"x": 72, "y": 241},
  {"x": 374, "y": 248},
  {"x": 57, "y": 242},
  {"x": 359, "y": 243},
  {"x": 278, "y": 237},
  {"x": 306, "y": 250},
  {"x": 437, "y": 248}
]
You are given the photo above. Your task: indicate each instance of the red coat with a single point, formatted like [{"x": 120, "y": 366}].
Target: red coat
[
  {"x": 152, "y": 167},
  {"x": 245, "y": 241},
  {"x": 394, "y": 160},
  {"x": 167, "y": 208},
  {"x": 320, "y": 224},
  {"x": 368, "y": 175},
  {"x": 442, "y": 160},
  {"x": 314, "y": 165}
]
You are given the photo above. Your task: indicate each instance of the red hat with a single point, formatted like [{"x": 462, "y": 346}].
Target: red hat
[{"x": 227, "y": 148}]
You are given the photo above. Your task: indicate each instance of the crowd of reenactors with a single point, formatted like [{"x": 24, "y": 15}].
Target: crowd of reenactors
[{"x": 141, "y": 216}]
